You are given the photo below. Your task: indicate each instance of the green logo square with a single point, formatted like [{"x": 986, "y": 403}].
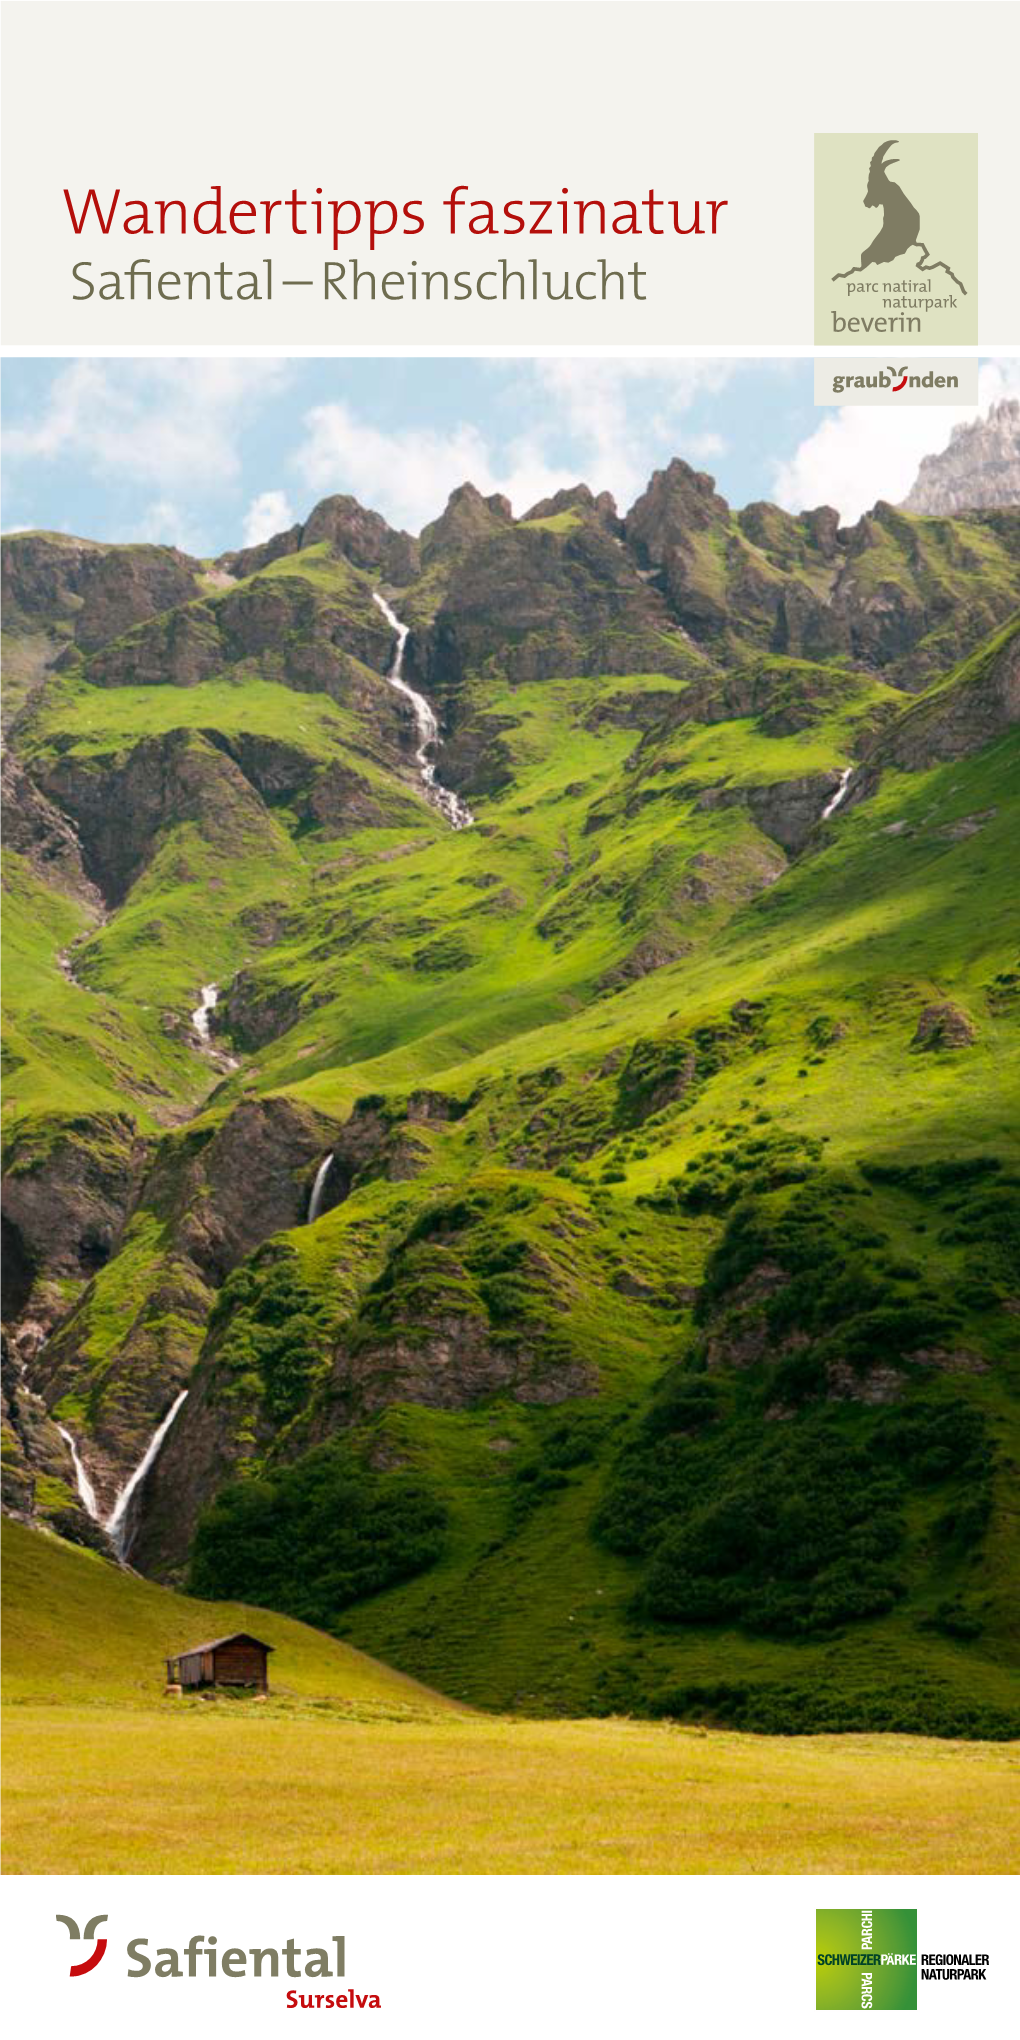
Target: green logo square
[{"x": 865, "y": 1959}]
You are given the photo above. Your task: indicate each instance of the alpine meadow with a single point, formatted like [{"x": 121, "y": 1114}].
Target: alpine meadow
[{"x": 512, "y": 1176}]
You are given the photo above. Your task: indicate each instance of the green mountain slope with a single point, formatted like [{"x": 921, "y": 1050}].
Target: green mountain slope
[{"x": 654, "y": 1345}]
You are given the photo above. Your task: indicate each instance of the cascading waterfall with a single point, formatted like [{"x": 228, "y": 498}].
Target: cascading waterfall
[
  {"x": 449, "y": 803},
  {"x": 117, "y": 1524},
  {"x": 204, "y": 1011},
  {"x": 201, "y": 1021},
  {"x": 85, "y": 1488},
  {"x": 837, "y": 799},
  {"x": 319, "y": 1185}
]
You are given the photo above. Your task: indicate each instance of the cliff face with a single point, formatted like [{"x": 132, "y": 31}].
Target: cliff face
[
  {"x": 978, "y": 470},
  {"x": 94, "y": 591}
]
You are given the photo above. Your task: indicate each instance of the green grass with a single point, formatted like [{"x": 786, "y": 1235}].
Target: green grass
[
  {"x": 367, "y": 1773},
  {"x": 80, "y": 1631}
]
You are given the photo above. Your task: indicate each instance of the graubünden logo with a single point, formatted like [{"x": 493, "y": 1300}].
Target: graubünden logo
[{"x": 89, "y": 1934}]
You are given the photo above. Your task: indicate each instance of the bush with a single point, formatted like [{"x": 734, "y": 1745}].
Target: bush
[
  {"x": 316, "y": 1536},
  {"x": 778, "y": 1707},
  {"x": 785, "y": 1530},
  {"x": 276, "y": 1333}
]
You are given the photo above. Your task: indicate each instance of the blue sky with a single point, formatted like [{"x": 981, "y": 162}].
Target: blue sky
[{"x": 214, "y": 453}]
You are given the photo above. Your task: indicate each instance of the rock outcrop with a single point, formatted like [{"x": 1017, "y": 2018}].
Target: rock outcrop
[
  {"x": 350, "y": 531},
  {"x": 954, "y": 721},
  {"x": 530, "y": 603},
  {"x": 94, "y": 591},
  {"x": 468, "y": 518},
  {"x": 120, "y": 803},
  {"x": 978, "y": 470},
  {"x": 36, "y": 829},
  {"x": 211, "y": 1197},
  {"x": 944, "y": 1025},
  {"x": 788, "y": 810},
  {"x": 66, "y": 1197}
]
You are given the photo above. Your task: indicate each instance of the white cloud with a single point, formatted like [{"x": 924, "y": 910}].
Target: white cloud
[
  {"x": 408, "y": 474},
  {"x": 620, "y": 414},
  {"x": 859, "y": 456},
  {"x": 168, "y": 424},
  {"x": 615, "y": 416},
  {"x": 704, "y": 445},
  {"x": 164, "y": 523},
  {"x": 267, "y": 514}
]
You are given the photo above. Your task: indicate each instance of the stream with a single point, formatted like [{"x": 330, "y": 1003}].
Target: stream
[{"x": 449, "y": 803}]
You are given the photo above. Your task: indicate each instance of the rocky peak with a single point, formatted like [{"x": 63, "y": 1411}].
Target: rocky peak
[
  {"x": 677, "y": 502},
  {"x": 580, "y": 497},
  {"x": 790, "y": 541},
  {"x": 350, "y": 531},
  {"x": 823, "y": 524},
  {"x": 468, "y": 517},
  {"x": 978, "y": 470},
  {"x": 362, "y": 536},
  {"x": 253, "y": 559}
]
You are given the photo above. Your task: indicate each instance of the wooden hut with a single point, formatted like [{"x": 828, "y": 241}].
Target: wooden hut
[{"x": 240, "y": 1660}]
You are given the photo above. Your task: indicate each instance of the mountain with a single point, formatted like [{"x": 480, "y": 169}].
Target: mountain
[
  {"x": 586, "y": 1234},
  {"x": 978, "y": 470}
]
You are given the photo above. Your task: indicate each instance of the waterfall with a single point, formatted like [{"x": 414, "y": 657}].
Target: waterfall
[
  {"x": 204, "y": 1011},
  {"x": 117, "y": 1526},
  {"x": 85, "y": 1488},
  {"x": 837, "y": 799},
  {"x": 201, "y": 1023},
  {"x": 315, "y": 1200},
  {"x": 449, "y": 803}
]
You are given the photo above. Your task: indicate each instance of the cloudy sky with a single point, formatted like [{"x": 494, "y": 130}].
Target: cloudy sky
[{"x": 210, "y": 454}]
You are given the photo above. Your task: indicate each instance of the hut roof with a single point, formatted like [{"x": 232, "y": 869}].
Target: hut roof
[{"x": 238, "y": 1636}]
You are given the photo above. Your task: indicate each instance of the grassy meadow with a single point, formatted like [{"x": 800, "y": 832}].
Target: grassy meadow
[{"x": 348, "y": 1767}]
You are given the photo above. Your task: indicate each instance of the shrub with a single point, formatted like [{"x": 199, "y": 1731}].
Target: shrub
[
  {"x": 313, "y": 1537},
  {"x": 276, "y": 1333},
  {"x": 786, "y": 1530}
]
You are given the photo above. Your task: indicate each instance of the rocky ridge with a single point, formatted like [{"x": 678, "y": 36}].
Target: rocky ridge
[{"x": 978, "y": 470}]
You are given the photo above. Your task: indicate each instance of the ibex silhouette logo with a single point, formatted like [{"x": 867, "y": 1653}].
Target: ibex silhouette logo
[
  {"x": 82, "y": 1968},
  {"x": 901, "y": 222},
  {"x": 915, "y": 281}
]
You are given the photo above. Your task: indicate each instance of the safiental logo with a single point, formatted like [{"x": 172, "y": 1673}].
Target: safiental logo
[
  {"x": 88, "y": 1934},
  {"x": 204, "y": 1959}
]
